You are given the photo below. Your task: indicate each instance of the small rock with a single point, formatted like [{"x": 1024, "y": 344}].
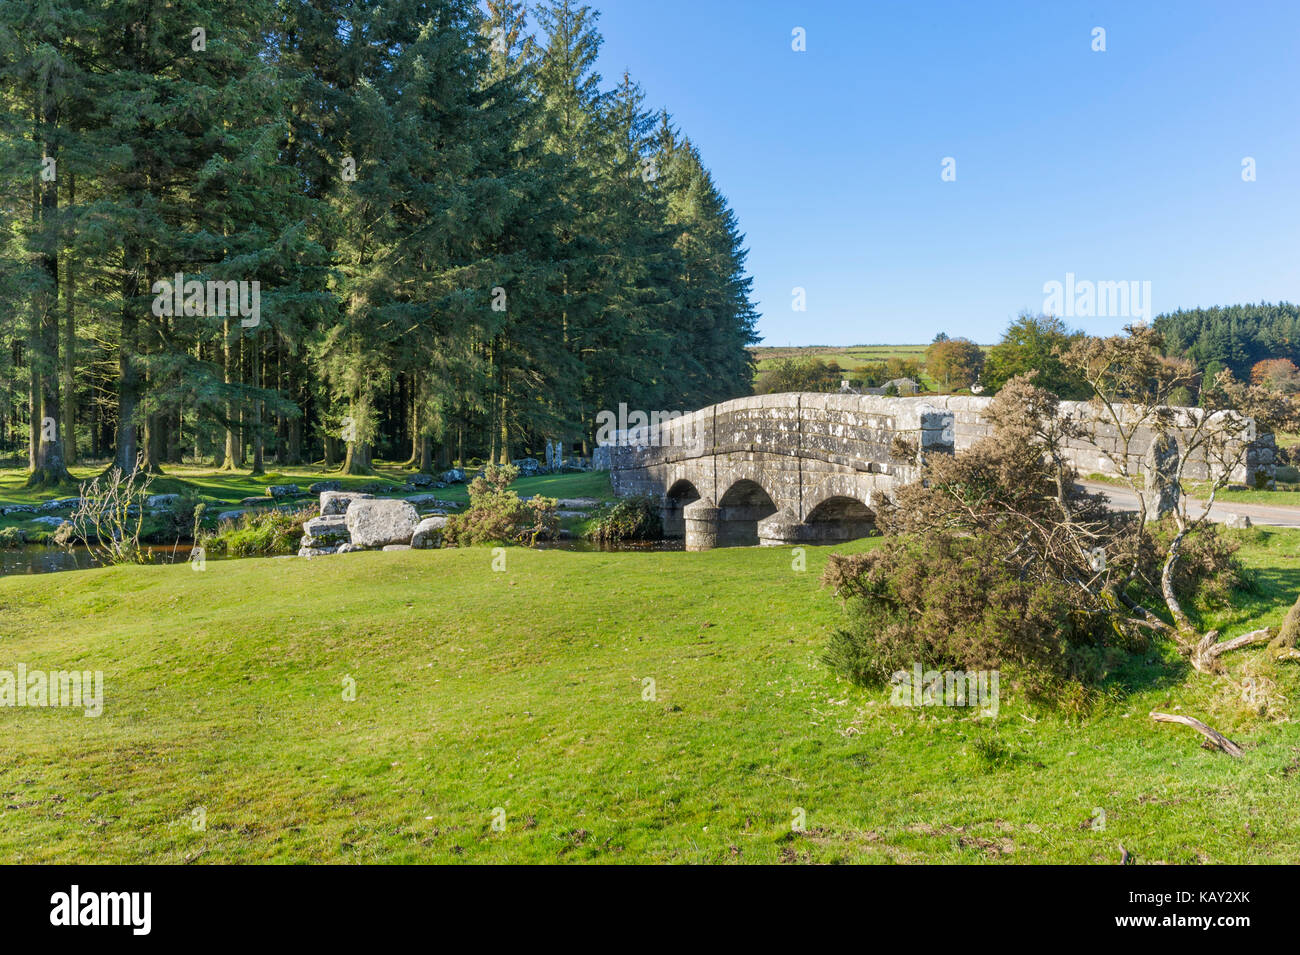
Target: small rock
[
  {"x": 1238, "y": 522},
  {"x": 60, "y": 503},
  {"x": 576, "y": 503},
  {"x": 428, "y": 533},
  {"x": 318, "y": 551},
  {"x": 396, "y": 547}
]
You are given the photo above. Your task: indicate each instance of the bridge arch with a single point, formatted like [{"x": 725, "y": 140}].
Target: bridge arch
[
  {"x": 742, "y": 506},
  {"x": 676, "y": 498}
]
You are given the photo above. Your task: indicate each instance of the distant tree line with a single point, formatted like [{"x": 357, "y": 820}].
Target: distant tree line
[{"x": 463, "y": 243}]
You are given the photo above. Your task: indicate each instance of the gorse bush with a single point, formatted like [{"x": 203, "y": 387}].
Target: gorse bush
[
  {"x": 497, "y": 515},
  {"x": 630, "y": 519},
  {"x": 999, "y": 559},
  {"x": 948, "y": 602}
]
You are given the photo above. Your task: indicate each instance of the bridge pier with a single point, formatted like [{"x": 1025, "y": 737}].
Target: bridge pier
[
  {"x": 703, "y": 520},
  {"x": 784, "y": 528}
]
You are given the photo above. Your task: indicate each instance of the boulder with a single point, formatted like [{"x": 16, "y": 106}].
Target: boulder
[
  {"x": 49, "y": 521},
  {"x": 1238, "y": 522},
  {"x": 454, "y": 476},
  {"x": 349, "y": 548},
  {"x": 230, "y": 516},
  {"x": 254, "y": 502},
  {"x": 377, "y": 523},
  {"x": 278, "y": 491},
  {"x": 428, "y": 533},
  {"x": 397, "y": 547},
  {"x": 336, "y": 502},
  {"x": 18, "y": 509},
  {"x": 325, "y": 531},
  {"x": 420, "y": 480},
  {"x": 321, "y": 486},
  {"x": 161, "y": 500}
]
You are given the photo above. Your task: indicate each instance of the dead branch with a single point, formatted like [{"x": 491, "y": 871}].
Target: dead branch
[{"x": 1217, "y": 739}]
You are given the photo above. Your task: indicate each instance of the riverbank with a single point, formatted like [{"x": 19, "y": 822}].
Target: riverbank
[{"x": 614, "y": 707}]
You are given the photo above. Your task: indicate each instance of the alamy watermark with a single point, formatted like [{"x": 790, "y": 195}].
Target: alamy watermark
[
  {"x": 921, "y": 687},
  {"x": 41, "y": 688},
  {"x": 626, "y": 429},
  {"x": 213, "y": 298},
  {"x": 1086, "y": 299}
]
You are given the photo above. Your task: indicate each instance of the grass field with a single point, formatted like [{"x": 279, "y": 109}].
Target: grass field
[
  {"x": 525, "y": 691},
  {"x": 850, "y": 357}
]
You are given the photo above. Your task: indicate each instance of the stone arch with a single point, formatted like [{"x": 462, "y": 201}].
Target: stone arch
[
  {"x": 840, "y": 507},
  {"x": 741, "y": 507},
  {"x": 840, "y": 518},
  {"x": 682, "y": 492}
]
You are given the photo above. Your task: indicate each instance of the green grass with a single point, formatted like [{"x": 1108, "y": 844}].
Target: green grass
[{"x": 523, "y": 689}]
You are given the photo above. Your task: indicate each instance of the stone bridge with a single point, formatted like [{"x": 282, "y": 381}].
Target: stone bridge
[
  {"x": 778, "y": 469},
  {"x": 813, "y": 468}
]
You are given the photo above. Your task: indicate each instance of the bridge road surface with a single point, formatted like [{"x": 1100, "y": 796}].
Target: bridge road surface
[{"x": 1122, "y": 499}]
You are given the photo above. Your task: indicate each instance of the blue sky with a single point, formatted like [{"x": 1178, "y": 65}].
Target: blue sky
[{"x": 1123, "y": 165}]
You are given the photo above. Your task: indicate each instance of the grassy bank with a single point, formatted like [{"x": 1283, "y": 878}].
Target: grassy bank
[
  {"x": 222, "y": 490},
  {"x": 524, "y": 689}
]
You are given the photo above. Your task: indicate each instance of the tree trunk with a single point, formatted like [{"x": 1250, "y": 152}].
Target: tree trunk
[
  {"x": 50, "y": 468},
  {"x": 70, "y": 347},
  {"x": 259, "y": 440},
  {"x": 127, "y": 448},
  {"x": 358, "y": 460}
]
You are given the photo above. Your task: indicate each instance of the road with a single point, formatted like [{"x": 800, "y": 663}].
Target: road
[{"x": 1122, "y": 499}]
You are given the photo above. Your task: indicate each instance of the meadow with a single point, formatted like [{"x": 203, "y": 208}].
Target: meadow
[{"x": 593, "y": 707}]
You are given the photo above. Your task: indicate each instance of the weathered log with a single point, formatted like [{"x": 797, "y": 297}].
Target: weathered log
[{"x": 1216, "y": 738}]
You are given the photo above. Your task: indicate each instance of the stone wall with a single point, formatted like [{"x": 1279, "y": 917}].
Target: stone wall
[{"x": 1257, "y": 470}]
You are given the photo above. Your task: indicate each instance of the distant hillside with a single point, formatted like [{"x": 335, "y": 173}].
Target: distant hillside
[{"x": 851, "y": 358}]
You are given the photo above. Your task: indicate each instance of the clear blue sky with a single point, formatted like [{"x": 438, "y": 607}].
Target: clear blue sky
[{"x": 1122, "y": 165}]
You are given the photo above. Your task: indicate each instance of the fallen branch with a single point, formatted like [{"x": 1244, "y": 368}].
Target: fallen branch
[
  {"x": 1205, "y": 657},
  {"x": 1219, "y": 741}
]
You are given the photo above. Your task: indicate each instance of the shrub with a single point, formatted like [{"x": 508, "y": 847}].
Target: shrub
[
  {"x": 630, "y": 519},
  {"x": 497, "y": 515},
  {"x": 948, "y": 602},
  {"x": 12, "y": 537},
  {"x": 110, "y": 516},
  {"x": 262, "y": 534}
]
